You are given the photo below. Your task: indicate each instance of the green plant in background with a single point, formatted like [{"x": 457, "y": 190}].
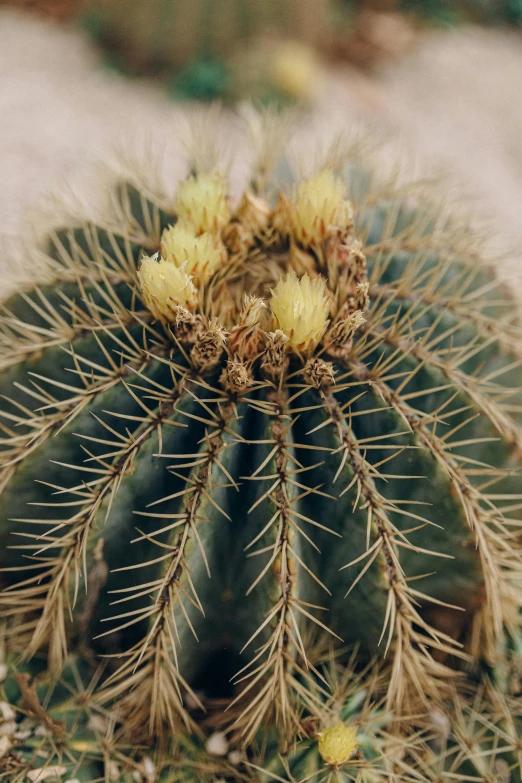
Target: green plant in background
[
  {"x": 232, "y": 427},
  {"x": 207, "y": 49},
  {"x": 448, "y": 12}
]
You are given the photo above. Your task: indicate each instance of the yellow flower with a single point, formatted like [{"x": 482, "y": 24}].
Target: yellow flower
[
  {"x": 163, "y": 286},
  {"x": 300, "y": 308},
  {"x": 338, "y": 744},
  {"x": 202, "y": 255},
  {"x": 203, "y": 201},
  {"x": 318, "y": 207}
]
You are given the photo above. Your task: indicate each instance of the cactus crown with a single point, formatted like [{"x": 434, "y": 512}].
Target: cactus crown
[{"x": 238, "y": 426}]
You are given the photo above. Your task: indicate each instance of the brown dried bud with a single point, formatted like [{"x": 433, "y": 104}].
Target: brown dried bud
[
  {"x": 319, "y": 373},
  {"x": 346, "y": 253},
  {"x": 282, "y": 215},
  {"x": 237, "y": 238},
  {"x": 208, "y": 347},
  {"x": 362, "y": 299},
  {"x": 246, "y": 337},
  {"x": 275, "y": 360},
  {"x": 253, "y": 213},
  {"x": 358, "y": 261},
  {"x": 302, "y": 262},
  {"x": 250, "y": 219},
  {"x": 308, "y": 726},
  {"x": 339, "y": 339},
  {"x": 186, "y": 325},
  {"x": 237, "y": 376}
]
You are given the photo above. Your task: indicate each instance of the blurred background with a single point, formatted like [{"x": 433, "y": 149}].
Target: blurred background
[{"x": 442, "y": 78}]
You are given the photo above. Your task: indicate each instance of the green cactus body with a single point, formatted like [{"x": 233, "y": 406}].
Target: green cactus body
[{"x": 196, "y": 483}]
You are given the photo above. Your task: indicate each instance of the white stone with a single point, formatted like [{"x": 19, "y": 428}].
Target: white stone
[
  {"x": 149, "y": 769},
  {"x": 98, "y": 724},
  {"x": 8, "y": 713},
  {"x": 217, "y": 744},
  {"x": 21, "y": 735},
  {"x": 113, "y": 770},
  {"x": 5, "y": 746},
  {"x": 54, "y": 771},
  {"x": 440, "y": 723},
  {"x": 42, "y": 731}
]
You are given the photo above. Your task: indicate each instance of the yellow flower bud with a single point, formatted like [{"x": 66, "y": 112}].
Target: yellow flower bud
[
  {"x": 338, "y": 744},
  {"x": 319, "y": 208},
  {"x": 163, "y": 286},
  {"x": 293, "y": 70},
  {"x": 300, "y": 308},
  {"x": 203, "y": 201},
  {"x": 202, "y": 255}
]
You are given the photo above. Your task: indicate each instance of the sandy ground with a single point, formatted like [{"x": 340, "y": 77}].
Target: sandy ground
[{"x": 453, "y": 105}]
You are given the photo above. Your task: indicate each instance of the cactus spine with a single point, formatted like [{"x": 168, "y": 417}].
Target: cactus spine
[{"x": 233, "y": 430}]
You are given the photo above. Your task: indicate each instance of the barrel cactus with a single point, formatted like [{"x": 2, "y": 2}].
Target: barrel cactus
[
  {"x": 216, "y": 48},
  {"x": 239, "y": 431}
]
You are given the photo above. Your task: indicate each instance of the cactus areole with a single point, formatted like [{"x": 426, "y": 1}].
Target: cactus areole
[{"x": 234, "y": 427}]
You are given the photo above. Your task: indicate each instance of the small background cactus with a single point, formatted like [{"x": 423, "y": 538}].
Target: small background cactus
[
  {"x": 217, "y": 48},
  {"x": 235, "y": 434},
  {"x": 269, "y": 51}
]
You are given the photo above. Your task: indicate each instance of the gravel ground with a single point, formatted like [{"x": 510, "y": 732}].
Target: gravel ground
[{"x": 453, "y": 105}]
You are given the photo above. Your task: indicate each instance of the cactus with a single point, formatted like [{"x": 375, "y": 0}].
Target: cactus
[
  {"x": 216, "y": 48},
  {"x": 235, "y": 429}
]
